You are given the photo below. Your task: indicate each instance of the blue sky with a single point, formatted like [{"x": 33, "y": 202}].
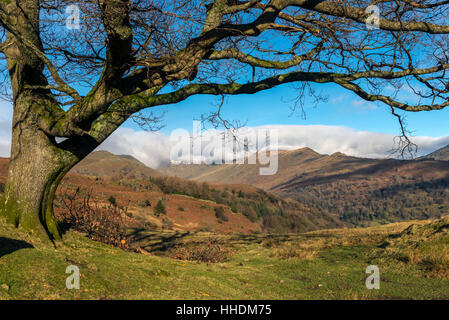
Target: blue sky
[{"x": 273, "y": 107}]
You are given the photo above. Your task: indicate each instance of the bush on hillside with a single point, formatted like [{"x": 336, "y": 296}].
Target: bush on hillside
[
  {"x": 220, "y": 214},
  {"x": 145, "y": 203},
  {"x": 160, "y": 208},
  {"x": 112, "y": 201}
]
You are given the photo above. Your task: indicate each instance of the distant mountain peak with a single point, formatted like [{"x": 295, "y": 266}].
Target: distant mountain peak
[
  {"x": 440, "y": 154},
  {"x": 127, "y": 156},
  {"x": 106, "y": 164},
  {"x": 338, "y": 154},
  {"x": 300, "y": 151}
]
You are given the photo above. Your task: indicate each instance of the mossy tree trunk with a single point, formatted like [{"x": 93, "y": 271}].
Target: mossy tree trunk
[
  {"x": 38, "y": 162},
  {"x": 37, "y": 165},
  {"x": 36, "y": 168}
]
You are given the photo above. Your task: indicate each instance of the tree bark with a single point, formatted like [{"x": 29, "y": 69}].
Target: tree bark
[
  {"x": 36, "y": 168},
  {"x": 37, "y": 164}
]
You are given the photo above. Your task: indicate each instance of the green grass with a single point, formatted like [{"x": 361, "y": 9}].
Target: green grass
[{"x": 320, "y": 265}]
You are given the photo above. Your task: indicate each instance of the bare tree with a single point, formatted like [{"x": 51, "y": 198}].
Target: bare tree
[{"x": 127, "y": 56}]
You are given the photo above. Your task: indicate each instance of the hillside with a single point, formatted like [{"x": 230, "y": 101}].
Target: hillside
[
  {"x": 359, "y": 191},
  {"x": 289, "y": 162},
  {"x": 107, "y": 165},
  {"x": 328, "y": 264},
  {"x": 192, "y": 254},
  {"x": 441, "y": 154},
  {"x": 135, "y": 190}
]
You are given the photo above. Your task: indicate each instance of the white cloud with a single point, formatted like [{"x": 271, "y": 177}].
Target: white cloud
[
  {"x": 151, "y": 148},
  {"x": 5, "y": 138},
  {"x": 338, "y": 99},
  {"x": 331, "y": 139}
]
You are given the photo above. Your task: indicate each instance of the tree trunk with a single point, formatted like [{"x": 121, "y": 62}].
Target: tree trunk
[
  {"x": 37, "y": 163},
  {"x": 36, "y": 168}
]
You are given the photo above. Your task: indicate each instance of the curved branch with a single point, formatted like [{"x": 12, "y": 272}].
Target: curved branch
[
  {"x": 256, "y": 62},
  {"x": 128, "y": 105},
  {"x": 359, "y": 15},
  {"x": 387, "y": 100}
]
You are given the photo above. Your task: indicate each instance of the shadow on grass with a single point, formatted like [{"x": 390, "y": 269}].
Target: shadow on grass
[
  {"x": 8, "y": 246},
  {"x": 152, "y": 242},
  {"x": 161, "y": 242}
]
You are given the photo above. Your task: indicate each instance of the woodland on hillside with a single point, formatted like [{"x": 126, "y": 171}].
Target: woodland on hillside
[
  {"x": 277, "y": 215},
  {"x": 361, "y": 205}
]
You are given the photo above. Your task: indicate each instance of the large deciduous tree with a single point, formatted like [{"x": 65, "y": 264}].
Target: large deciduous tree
[{"x": 72, "y": 87}]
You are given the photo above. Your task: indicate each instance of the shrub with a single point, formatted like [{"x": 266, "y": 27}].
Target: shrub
[
  {"x": 180, "y": 208},
  {"x": 160, "y": 208},
  {"x": 167, "y": 223},
  {"x": 250, "y": 214},
  {"x": 220, "y": 214},
  {"x": 145, "y": 203},
  {"x": 112, "y": 201},
  {"x": 2, "y": 187},
  {"x": 80, "y": 212}
]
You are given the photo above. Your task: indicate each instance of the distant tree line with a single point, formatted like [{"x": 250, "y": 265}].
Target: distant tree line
[{"x": 365, "y": 202}]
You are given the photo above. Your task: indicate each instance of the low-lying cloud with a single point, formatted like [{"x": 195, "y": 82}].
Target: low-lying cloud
[
  {"x": 151, "y": 148},
  {"x": 154, "y": 149},
  {"x": 331, "y": 139}
]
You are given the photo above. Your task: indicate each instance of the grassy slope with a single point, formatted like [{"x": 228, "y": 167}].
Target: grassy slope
[{"x": 322, "y": 265}]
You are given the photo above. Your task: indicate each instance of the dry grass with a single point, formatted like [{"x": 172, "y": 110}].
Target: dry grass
[
  {"x": 289, "y": 251},
  {"x": 438, "y": 261},
  {"x": 211, "y": 252},
  {"x": 310, "y": 244},
  {"x": 414, "y": 256},
  {"x": 435, "y": 261},
  {"x": 249, "y": 267},
  {"x": 423, "y": 245}
]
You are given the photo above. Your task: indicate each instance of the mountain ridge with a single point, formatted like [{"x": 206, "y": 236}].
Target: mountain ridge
[
  {"x": 441, "y": 154},
  {"x": 361, "y": 191}
]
